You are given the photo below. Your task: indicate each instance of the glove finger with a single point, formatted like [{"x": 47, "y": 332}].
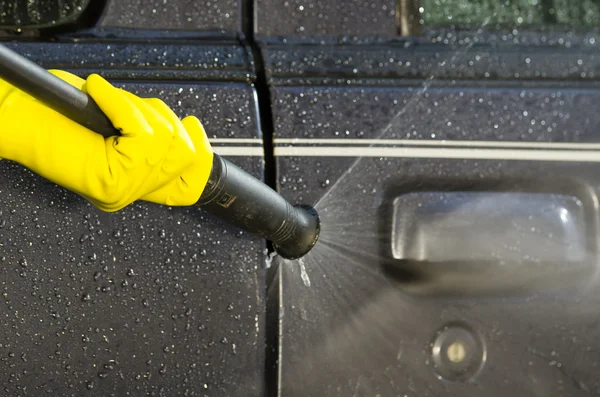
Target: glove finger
[
  {"x": 161, "y": 195},
  {"x": 170, "y": 115},
  {"x": 197, "y": 134},
  {"x": 177, "y": 192},
  {"x": 162, "y": 128},
  {"x": 182, "y": 151},
  {"x": 70, "y": 78},
  {"x": 124, "y": 115},
  {"x": 188, "y": 187},
  {"x": 152, "y": 115},
  {"x": 196, "y": 177}
]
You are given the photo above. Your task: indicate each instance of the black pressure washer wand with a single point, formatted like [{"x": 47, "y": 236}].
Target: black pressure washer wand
[{"x": 230, "y": 193}]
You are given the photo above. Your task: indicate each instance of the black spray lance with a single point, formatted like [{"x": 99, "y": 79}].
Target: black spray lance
[{"x": 230, "y": 193}]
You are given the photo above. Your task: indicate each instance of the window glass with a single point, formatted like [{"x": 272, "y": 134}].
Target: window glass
[{"x": 576, "y": 13}]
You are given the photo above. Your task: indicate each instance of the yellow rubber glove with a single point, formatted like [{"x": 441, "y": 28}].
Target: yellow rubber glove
[{"x": 158, "y": 158}]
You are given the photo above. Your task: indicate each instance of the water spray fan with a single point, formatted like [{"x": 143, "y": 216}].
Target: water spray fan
[{"x": 231, "y": 193}]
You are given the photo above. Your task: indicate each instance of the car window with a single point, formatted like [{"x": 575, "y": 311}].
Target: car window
[{"x": 534, "y": 13}]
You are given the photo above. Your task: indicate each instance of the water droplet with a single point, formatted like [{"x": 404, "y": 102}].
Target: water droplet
[{"x": 109, "y": 366}]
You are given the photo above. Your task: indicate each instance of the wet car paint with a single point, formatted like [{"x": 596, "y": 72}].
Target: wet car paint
[{"x": 163, "y": 301}]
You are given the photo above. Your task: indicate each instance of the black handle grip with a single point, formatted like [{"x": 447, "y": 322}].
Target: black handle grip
[
  {"x": 247, "y": 203},
  {"x": 53, "y": 92}
]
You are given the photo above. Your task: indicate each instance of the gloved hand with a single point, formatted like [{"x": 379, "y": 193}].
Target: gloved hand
[{"x": 158, "y": 158}]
